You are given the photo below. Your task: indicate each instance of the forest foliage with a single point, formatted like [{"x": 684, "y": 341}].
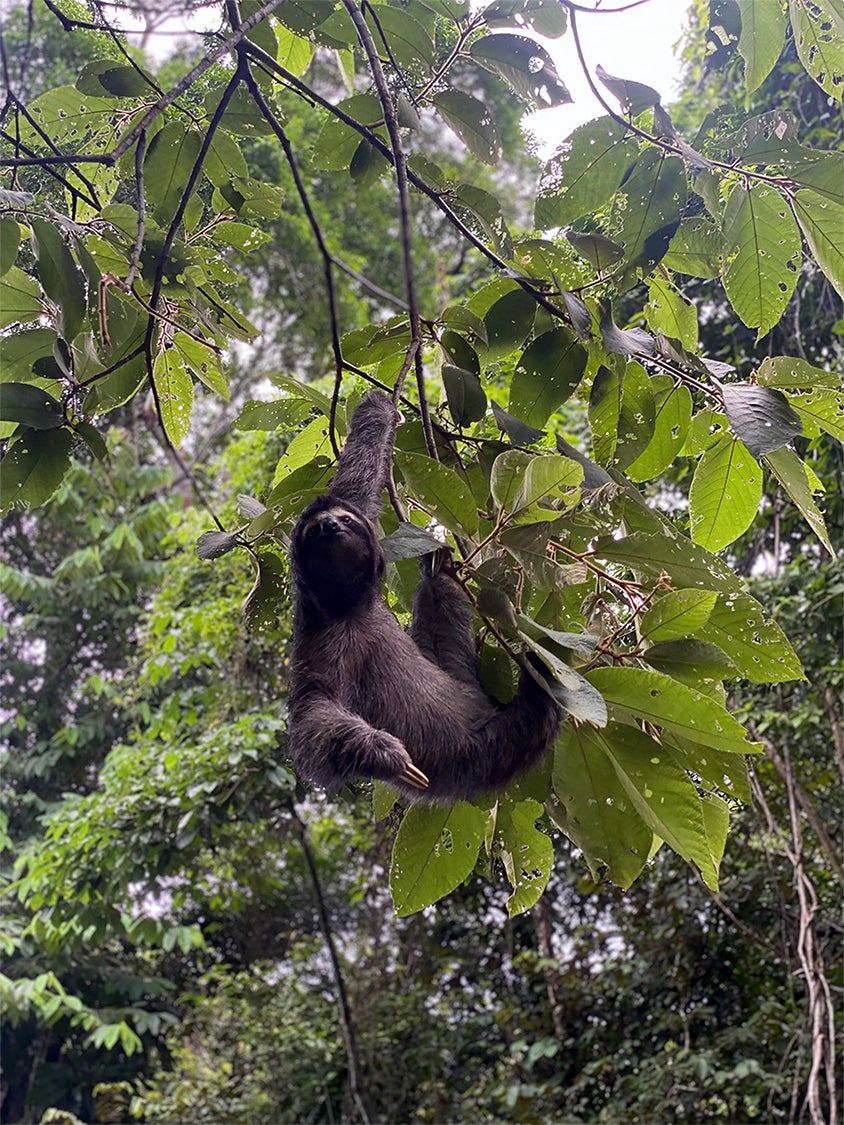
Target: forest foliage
[{"x": 591, "y": 453}]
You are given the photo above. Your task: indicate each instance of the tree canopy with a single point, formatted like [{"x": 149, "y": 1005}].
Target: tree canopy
[{"x": 620, "y": 373}]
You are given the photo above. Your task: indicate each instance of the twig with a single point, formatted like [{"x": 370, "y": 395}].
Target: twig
[
  {"x": 140, "y": 152},
  {"x": 355, "y": 1077}
]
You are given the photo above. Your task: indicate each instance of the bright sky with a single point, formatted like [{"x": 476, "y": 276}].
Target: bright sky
[{"x": 638, "y": 44}]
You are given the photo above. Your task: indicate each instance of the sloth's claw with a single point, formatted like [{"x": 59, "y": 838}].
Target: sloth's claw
[{"x": 410, "y": 775}]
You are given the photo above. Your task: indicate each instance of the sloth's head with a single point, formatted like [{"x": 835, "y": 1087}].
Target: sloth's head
[{"x": 337, "y": 561}]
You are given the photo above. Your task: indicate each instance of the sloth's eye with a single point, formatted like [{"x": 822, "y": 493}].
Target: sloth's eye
[{"x": 345, "y": 519}]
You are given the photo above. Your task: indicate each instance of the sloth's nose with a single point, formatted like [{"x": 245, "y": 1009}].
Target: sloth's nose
[{"x": 328, "y": 525}]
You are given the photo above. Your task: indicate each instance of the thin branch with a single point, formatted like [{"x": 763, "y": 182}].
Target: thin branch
[
  {"x": 352, "y": 1055},
  {"x": 400, "y": 164},
  {"x": 140, "y": 152}
]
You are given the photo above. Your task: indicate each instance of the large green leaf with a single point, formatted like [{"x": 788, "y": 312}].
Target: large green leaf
[
  {"x": 791, "y": 473},
  {"x": 637, "y": 416},
  {"x": 338, "y": 142},
  {"x": 584, "y": 172},
  {"x": 594, "y": 809},
  {"x": 466, "y": 397},
  {"x": 407, "y": 40},
  {"x": 758, "y": 647},
  {"x": 441, "y": 491},
  {"x": 546, "y": 375},
  {"x": 508, "y": 322},
  {"x": 435, "y": 850},
  {"x": 547, "y": 477},
  {"x": 790, "y": 372},
  {"x": 696, "y": 248},
  {"x": 725, "y": 494},
  {"x": 666, "y": 703},
  {"x": 60, "y": 276},
  {"x": 678, "y": 614},
  {"x": 20, "y": 351},
  {"x": 34, "y": 468},
  {"x": 760, "y": 416},
  {"x": 20, "y": 298},
  {"x": 175, "y": 394},
  {"x": 526, "y": 852},
  {"x": 824, "y": 409},
  {"x": 762, "y": 36},
  {"x": 822, "y": 222},
  {"x": 670, "y": 312},
  {"x": 10, "y": 237},
  {"x": 525, "y": 65},
  {"x": 30, "y": 406},
  {"x": 472, "y": 121},
  {"x": 819, "y": 35},
  {"x": 656, "y": 197},
  {"x": 763, "y": 254},
  {"x": 672, "y": 418},
  {"x": 169, "y": 162},
  {"x": 686, "y": 563},
  {"x": 664, "y": 796}
]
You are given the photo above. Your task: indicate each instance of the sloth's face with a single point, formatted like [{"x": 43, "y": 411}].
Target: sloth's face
[{"x": 338, "y": 554}]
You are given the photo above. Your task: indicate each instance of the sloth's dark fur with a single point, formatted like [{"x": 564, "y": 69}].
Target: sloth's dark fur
[{"x": 366, "y": 698}]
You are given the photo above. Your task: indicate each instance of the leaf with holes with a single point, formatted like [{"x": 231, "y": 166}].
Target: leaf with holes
[
  {"x": 472, "y": 121},
  {"x": 725, "y": 494},
  {"x": 525, "y": 851},
  {"x": 167, "y": 167},
  {"x": 34, "y": 467},
  {"x": 30, "y": 406},
  {"x": 819, "y": 34},
  {"x": 677, "y": 614},
  {"x": 763, "y": 254},
  {"x": 672, "y": 418},
  {"x": 175, "y": 394},
  {"x": 441, "y": 491},
  {"x": 656, "y": 197},
  {"x": 547, "y": 374},
  {"x": 758, "y": 647},
  {"x": 20, "y": 298},
  {"x": 584, "y": 172},
  {"x": 791, "y": 473},
  {"x": 634, "y": 97},
  {"x": 524, "y": 65},
  {"x": 762, "y": 37},
  {"x": 822, "y": 222},
  {"x": 823, "y": 409},
  {"x": 436, "y": 848},
  {"x": 599, "y": 251}
]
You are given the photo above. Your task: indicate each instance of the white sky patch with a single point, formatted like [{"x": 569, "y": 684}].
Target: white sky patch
[{"x": 640, "y": 44}]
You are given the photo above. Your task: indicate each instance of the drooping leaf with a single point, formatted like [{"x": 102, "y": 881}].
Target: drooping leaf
[
  {"x": 409, "y": 542},
  {"x": 623, "y": 341},
  {"x": 20, "y": 298},
  {"x": 760, "y": 416},
  {"x": 636, "y": 417},
  {"x": 546, "y": 375},
  {"x": 581, "y": 699},
  {"x": 262, "y": 603},
  {"x": 29, "y": 405},
  {"x": 604, "y": 412},
  {"x": 526, "y": 852},
  {"x": 517, "y": 431},
  {"x": 819, "y": 35},
  {"x": 435, "y": 850},
  {"x": 175, "y": 394},
  {"x": 666, "y": 703},
  {"x": 472, "y": 121},
  {"x": 822, "y": 221},
  {"x": 601, "y": 252},
  {"x": 672, "y": 418},
  {"x": 524, "y": 65},
  {"x": 634, "y": 97},
  {"x": 791, "y": 473},
  {"x": 725, "y": 494},
  {"x": 762, "y": 255},
  {"x": 762, "y": 36},
  {"x": 656, "y": 197},
  {"x": 593, "y": 808},
  {"x": 167, "y": 167},
  {"x": 10, "y": 237},
  {"x": 441, "y": 491},
  {"x": 584, "y": 172},
  {"x": 466, "y": 397},
  {"x": 214, "y": 544},
  {"x": 60, "y": 276},
  {"x": 480, "y": 209},
  {"x": 508, "y": 322},
  {"x": 34, "y": 467}
]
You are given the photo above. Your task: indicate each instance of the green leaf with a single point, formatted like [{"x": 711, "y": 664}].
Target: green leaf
[
  {"x": 508, "y": 472},
  {"x": 791, "y": 473},
  {"x": 685, "y": 563},
  {"x": 819, "y": 34},
  {"x": 762, "y": 262},
  {"x": 672, "y": 418},
  {"x": 760, "y": 416},
  {"x": 224, "y": 160},
  {"x": 20, "y": 298},
  {"x": 472, "y": 121},
  {"x": 545, "y": 17},
  {"x": 670, "y": 312},
  {"x": 763, "y": 26},
  {"x": 526, "y": 852},
  {"x": 21, "y": 351},
  {"x": 409, "y": 542},
  {"x": 481, "y": 210},
  {"x": 584, "y": 172},
  {"x": 29, "y": 405},
  {"x": 466, "y": 398},
  {"x": 727, "y": 772},
  {"x": 822, "y": 408},
  {"x": 572, "y": 690},
  {"x": 678, "y": 614},
  {"x": 311, "y": 442},
  {"x": 214, "y": 544},
  {"x": 788, "y": 371},
  {"x": 690, "y": 661},
  {"x": 664, "y": 796},
  {"x": 272, "y": 584},
  {"x": 547, "y": 477},
  {"x": 637, "y": 415},
  {"x": 436, "y": 848},
  {"x": 175, "y": 394},
  {"x": 204, "y": 361},
  {"x": 594, "y": 810},
  {"x": 725, "y": 494},
  {"x": 634, "y": 97},
  {"x": 599, "y": 251},
  {"x": 103, "y": 78},
  {"x": 604, "y": 411},
  {"x": 666, "y": 703},
  {"x": 758, "y": 647},
  {"x": 656, "y": 197},
  {"x": 34, "y": 468},
  {"x": 60, "y": 276},
  {"x": 508, "y": 322},
  {"x": 168, "y": 164},
  {"x": 822, "y": 222},
  {"x": 290, "y": 413},
  {"x": 407, "y": 40},
  {"x": 338, "y": 142},
  {"x": 696, "y": 248},
  {"x": 524, "y": 65},
  {"x": 66, "y": 116},
  {"x": 547, "y": 374},
  {"x": 517, "y": 431},
  {"x": 10, "y": 237},
  {"x": 440, "y": 491}
]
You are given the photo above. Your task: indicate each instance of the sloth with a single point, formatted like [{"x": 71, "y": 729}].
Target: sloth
[{"x": 368, "y": 699}]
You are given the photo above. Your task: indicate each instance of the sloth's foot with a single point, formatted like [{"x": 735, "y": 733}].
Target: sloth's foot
[{"x": 391, "y": 762}]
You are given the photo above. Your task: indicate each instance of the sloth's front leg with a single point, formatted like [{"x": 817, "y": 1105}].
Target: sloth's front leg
[{"x": 332, "y": 745}]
